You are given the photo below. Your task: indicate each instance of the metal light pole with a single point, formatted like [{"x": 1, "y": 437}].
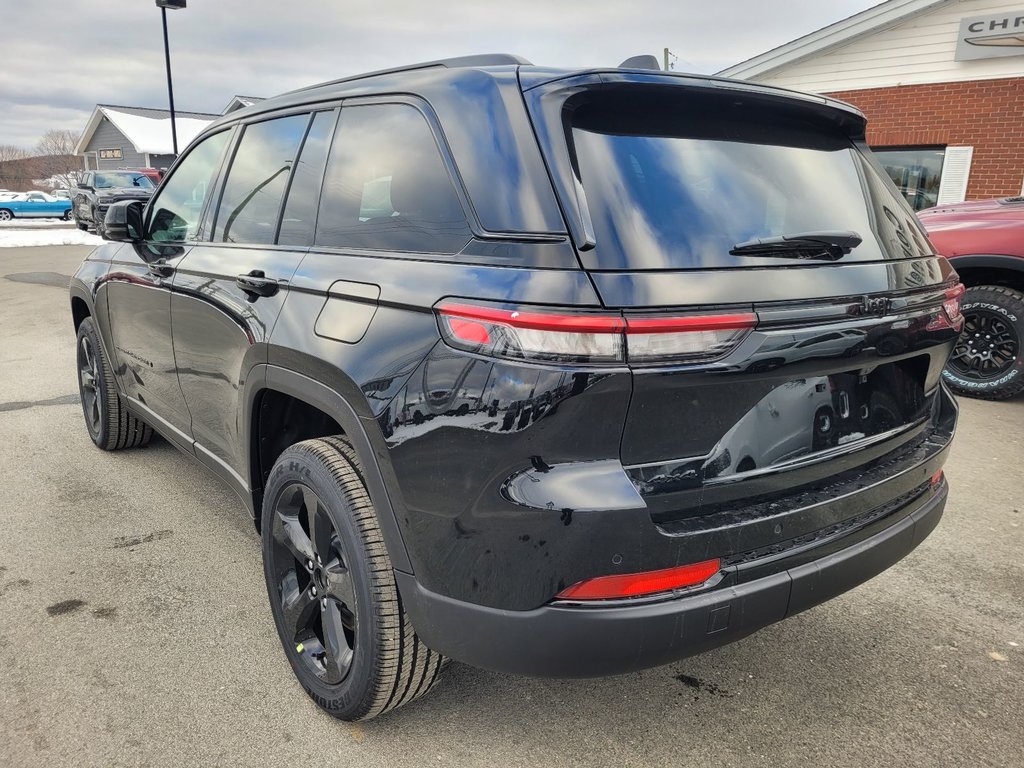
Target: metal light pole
[{"x": 174, "y": 5}]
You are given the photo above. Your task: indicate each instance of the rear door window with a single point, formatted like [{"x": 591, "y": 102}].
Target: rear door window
[
  {"x": 387, "y": 187},
  {"x": 299, "y": 219},
  {"x": 679, "y": 190},
  {"x": 254, "y": 189}
]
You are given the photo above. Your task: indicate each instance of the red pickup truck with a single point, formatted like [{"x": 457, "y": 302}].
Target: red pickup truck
[{"x": 985, "y": 242}]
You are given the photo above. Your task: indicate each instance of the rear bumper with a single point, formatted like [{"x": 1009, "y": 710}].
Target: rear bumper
[{"x": 562, "y": 641}]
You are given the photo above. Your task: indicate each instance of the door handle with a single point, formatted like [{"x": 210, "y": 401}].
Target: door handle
[
  {"x": 160, "y": 268},
  {"x": 256, "y": 284}
]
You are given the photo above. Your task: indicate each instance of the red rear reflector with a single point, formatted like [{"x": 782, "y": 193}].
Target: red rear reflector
[
  {"x": 637, "y": 584},
  {"x": 937, "y": 478}
]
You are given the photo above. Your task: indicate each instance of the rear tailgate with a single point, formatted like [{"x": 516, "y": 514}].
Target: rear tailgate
[{"x": 840, "y": 362}]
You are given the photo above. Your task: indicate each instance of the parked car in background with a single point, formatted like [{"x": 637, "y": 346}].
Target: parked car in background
[
  {"x": 471, "y": 341},
  {"x": 154, "y": 174},
  {"x": 97, "y": 190},
  {"x": 985, "y": 242},
  {"x": 34, "y": 205},
  {"x": 62, "y": 193}
]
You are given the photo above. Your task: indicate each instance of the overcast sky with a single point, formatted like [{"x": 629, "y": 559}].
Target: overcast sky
[{"x": 58, "y": 60}]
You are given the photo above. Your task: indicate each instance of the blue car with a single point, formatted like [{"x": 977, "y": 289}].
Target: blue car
[{"x": 35, "y": 205}]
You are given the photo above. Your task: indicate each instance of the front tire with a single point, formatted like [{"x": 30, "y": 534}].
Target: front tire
[
  {"x": 110, "y": 425},
  {"x": 332, "y": 588},
  {"x": 5, "y": 215},
  {"x": 987, "y": 362}
]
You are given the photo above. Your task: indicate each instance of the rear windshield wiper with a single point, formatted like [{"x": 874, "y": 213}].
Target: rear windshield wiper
[{"x": 803, "y": 245}]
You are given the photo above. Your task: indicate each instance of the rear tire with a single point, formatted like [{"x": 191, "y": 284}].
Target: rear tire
[
  {"x": 987, "y": 362},
  {"x": 67, "y": 215},
  {"x": 332, "y": 588},
  {"x": 109, "y": 423}
]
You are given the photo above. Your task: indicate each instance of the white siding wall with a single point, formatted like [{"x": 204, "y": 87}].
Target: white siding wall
[{"x": 918, "y": 50}]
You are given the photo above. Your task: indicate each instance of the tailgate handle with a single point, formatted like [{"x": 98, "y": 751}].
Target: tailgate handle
[{"x": 256, "y": 284}]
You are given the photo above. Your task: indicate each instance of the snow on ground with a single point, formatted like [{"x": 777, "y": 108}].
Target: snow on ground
[
  {"x": 33, "y": 223},
  {"x": 18, "y": 236}
]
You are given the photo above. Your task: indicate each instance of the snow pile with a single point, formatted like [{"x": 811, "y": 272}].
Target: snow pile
[
  {"x": 19, "y": 238},
  {"x": 153, "y": 135}
]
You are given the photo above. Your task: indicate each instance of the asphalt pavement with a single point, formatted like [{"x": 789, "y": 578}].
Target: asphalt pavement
[{"x": 134, "y": 627}]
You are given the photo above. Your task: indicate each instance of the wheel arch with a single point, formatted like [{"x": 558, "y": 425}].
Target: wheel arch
[
  {"x": 273, "y": 385},
  {"x": 990, "y": 269},
  {"x": 80, "y": 309}
]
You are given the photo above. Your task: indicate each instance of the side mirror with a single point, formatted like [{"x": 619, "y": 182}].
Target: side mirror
[
  {"x": 123, "y": 223},
  {"x": 86, "y": 186}
]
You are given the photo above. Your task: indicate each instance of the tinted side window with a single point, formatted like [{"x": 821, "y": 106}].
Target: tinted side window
[
  {"x": 387, "y": 187},
  {"x": 300, "y": 210},
  {"x": 254, "y": 189},
  {"x": 177, "y": 207}
]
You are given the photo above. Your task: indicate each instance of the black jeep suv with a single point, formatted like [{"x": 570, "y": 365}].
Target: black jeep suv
[{"x": 552, "y": 372}]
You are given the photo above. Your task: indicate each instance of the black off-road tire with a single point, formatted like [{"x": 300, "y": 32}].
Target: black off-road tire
[
  {"x": 111, "y": 426},
  {"x": 1005, "y": 308},
  {"x": 388, "y": 664}
]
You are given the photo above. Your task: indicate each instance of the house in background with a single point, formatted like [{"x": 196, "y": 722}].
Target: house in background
[
  {"x": 139, "y": 137},
  {"x": 241, "y": 102},
  {"x": 136, "y": 137},
  {"x": 941, "y": 83}
]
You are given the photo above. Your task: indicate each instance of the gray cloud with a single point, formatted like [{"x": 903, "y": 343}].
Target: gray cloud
[{"x": 59, "y": 60}]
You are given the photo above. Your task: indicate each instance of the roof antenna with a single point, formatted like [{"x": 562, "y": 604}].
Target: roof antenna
[{"x": 645, "y": 61}]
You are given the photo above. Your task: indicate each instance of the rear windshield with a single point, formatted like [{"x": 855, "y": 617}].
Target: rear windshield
[{"x": 681, "y": 190}]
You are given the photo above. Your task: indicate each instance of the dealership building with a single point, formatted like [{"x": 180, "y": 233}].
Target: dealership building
[
  {"x": 140, "y": 137},
  {"x": 941, "y": 83}
]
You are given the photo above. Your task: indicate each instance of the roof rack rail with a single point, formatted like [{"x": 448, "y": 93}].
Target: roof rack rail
[{"x": 479, "y": 60}]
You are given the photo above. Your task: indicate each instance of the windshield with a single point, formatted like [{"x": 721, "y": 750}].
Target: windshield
[
  {"x": 123, "y": 179},
  {"x": 682, "y": 191}
]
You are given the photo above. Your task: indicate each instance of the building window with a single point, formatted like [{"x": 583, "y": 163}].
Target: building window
[{"x": 916, "y": 171}]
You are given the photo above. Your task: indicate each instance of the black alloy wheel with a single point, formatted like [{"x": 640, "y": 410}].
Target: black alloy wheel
[
  {"x": 314, "y": 584},
  {"x": 332, "y": 587},
  {"x": 93, "y": 403},
  {"x": 988, "y": 345},
  {"x": 111, "y": 426},
  {"x": 986, "y": 361}
]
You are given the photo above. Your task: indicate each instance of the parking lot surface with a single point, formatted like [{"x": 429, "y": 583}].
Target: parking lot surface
[{"x": 134, "y": 627}]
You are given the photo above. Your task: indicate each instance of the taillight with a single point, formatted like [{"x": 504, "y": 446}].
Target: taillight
[
  {"x": 592, "y": 338},
  {"x": 951, "y": 306},
  {"x": 532, "y": 335},
  {"x": 686, "y": 338},
  {"x": 640, "y": 584}
]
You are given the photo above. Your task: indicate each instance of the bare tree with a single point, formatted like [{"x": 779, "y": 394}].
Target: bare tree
[
  {"x": 11, "y": 152},
  {"x": 58, "y": 162},
  {"x": 13, "y": 166}
]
